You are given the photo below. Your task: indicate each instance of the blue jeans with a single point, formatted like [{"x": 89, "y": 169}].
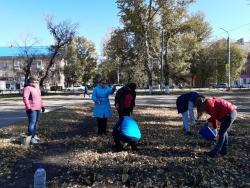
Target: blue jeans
[
  {"x": 188, "y": 116},
  {"x": 185, "y": 120},
  {"x": 222, "y": 143},
  {"x": 33, "y": 118}
]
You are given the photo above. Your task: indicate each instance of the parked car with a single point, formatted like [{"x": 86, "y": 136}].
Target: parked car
[
  {"x": 221, "y": 85},
  {"x": 212, "y": 85},
  {"x": 76, "y": 88},
  {"x": 56, "y": 88}
]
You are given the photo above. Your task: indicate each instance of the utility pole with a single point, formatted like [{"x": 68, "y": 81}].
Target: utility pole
[
  {"x": 118, "y": 71},
  {"x": 13, "y": 70},
  {"x": 228, "y": 59}
]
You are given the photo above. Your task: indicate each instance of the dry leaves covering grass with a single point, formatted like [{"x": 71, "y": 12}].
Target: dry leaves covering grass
[{"x": 74, "y": 156}]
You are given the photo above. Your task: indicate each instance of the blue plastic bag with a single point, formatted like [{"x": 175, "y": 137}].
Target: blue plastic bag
[{"x": 208, "y": 133}]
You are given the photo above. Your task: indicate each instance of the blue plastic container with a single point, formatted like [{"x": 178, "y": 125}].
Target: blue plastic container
[{"x": 208, "y": 133}]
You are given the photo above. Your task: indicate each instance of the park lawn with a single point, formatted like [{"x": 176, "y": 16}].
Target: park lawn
[{"x": 74, "y": 156}]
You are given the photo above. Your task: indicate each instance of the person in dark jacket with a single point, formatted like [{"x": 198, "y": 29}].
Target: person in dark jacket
[
  {"x": 128, "y": 131},
  {"x": 125, "y": 99},
  {"x": 185, "y": 104},
  {"x": 221, "y": 111}
]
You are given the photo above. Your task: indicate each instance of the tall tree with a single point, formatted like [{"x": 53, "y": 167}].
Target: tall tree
[
  {"x": 198, "y": 32},
  {"x": 173, "y": 23},
  {"x": 138, "y": 17},
  {"x": 119, "y": 49},
  {"x": 28, "y": 52},
  {"x": 87, "y": 56},
  {"x": 63, "y": 34},
  {"x": 72, "y": 70},
  {"x": 81, "y": 60},
  {"x": 219, "y": 50},
  {"x": 211, "y": 63}
]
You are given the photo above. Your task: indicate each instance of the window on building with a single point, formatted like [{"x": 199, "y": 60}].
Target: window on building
[
  {"x": 17, "y": 63},
  {"x": 244, "y": 81},
  {"x": 39, "y": 64},
  {"x": 18, "y": 86},
  {"x": 7, "y": 86},
  {"x": 3, "y": 65}
]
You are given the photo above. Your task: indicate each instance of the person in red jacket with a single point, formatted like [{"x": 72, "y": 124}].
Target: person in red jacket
[
  {"x": 220, "y": 111},
  {"x": 125, "y": 99}
]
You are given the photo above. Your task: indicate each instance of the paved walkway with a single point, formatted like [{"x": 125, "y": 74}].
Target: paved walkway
[{"x": 12, "y": 109}]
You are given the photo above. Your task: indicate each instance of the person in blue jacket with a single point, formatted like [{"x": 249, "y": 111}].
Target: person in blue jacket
[
  {"x": 185, "y": 104},
  {"x": 128, "y": 131},
  {"x": 102, "y": 109}
]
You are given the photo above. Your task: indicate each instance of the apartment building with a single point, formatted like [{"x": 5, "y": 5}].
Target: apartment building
[{"x": 12, "y": 63}]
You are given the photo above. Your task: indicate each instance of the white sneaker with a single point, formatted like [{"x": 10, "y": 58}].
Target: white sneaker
[
  {"x": 36, "y": 137},
  {"x": 33, "y": 141}
]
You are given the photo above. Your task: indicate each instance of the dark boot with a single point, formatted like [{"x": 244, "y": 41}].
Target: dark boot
[{"x": 211, "y": 154}]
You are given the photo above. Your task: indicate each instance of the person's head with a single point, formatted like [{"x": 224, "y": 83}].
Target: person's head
[
  {"x": 132, "y": 86},
  {"x": 200, "y": 105},
  {"x": 103, "y": 82},
  {"x": 32, "y": 81}
]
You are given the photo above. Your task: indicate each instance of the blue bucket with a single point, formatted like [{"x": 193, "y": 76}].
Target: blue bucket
[{"x": 208, "y": 133}]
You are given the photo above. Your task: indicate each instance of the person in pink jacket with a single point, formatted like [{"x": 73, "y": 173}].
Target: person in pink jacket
[{"x": 33, "y": 104}]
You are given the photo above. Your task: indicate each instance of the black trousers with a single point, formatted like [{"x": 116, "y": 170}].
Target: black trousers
[{"x": 102, "y": 125}]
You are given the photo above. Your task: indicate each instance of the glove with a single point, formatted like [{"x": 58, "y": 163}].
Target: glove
[
  {"x": 29, "y": 111},
  {"x": 43, "y": 109},
  {"x": 117, "y": 106}
]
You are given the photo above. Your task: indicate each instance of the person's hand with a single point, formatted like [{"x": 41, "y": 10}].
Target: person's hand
[
  {"x": 113, "y": 88},
  {"x": 29, "y": 111},
  {"x": 43, "y": 109},
  {"x": 217, "y": 137},
  {"x": 116, "y": 106}
]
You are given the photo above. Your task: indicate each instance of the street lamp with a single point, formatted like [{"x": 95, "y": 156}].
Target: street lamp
[
  {"x": 228, "y": 58},
  {"x": 118, "y": 70}
]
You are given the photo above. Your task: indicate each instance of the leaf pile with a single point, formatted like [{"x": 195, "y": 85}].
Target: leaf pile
[{"x": 74, "y": 156}]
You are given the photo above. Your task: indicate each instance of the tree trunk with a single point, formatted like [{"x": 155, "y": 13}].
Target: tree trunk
[
  {"x": 51, "y": 62},
  {"x": 166, "y": 68},
  {"x": 27, "y": 70},
  {"x": 147, "y": 62}
]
